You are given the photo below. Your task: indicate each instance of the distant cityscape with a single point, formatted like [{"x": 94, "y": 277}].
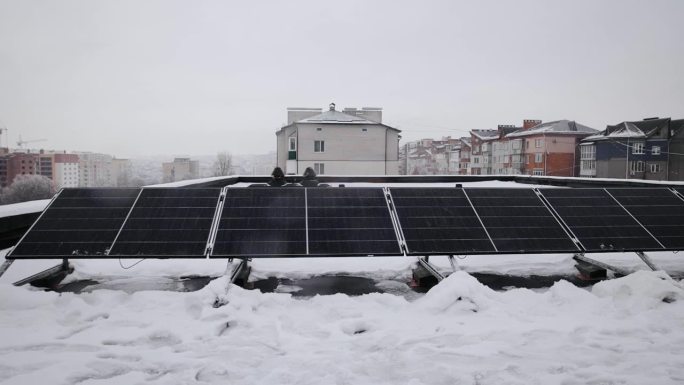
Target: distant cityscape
[
  {"x": 356, "y": 142},
  {"x": 89, "y": 169}
]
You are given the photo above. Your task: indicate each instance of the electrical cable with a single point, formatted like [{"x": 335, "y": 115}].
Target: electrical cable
[{"x": 126, "y": 268}]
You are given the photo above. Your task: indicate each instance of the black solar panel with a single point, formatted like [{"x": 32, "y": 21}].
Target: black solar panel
[
  {"x": 658, "y": 209},
  {"x": 439, "y": 221},
  {"x": 518, "y": 221},
  {"x": 598, "y": 221},
  {"x": 258, "y": 222},
  {"x": 80, "y": 223},
  {"x": 350, "y": 221},
  {"x": 168, "y": 222}
]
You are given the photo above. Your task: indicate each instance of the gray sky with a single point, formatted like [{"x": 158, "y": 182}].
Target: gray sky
[{"x": 134, "y": 78}]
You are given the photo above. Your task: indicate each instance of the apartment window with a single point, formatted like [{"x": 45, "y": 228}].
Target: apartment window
[
  {"x": 588, "y": 152},
  {"x": 655, "y": 168},
  {"x": 538, "y": 143},
  {"x": 538, "y": 157},
  {"x": 588, "y": 165},
  {"x": 364, "y": 130},
  {"x": 636, "y": 166},
  {"x": 527, "y": 144},
  {"x": 293, "y": 144},
  {"x": 319, "y": 168},
  {"x": 537, "y": 171},
  {"x": 319, "y": 129},
  {"x": 638, "y": 148},
  {"x": 655, "y": 150},
  {"x": 476, "y": 160},
  {"x": 319, "y": 145}
]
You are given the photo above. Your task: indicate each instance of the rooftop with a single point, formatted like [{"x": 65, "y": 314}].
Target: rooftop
[{"x": 558, "y": 127}]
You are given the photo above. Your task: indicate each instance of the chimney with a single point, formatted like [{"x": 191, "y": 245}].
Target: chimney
[{"x": 529, "y": 123}]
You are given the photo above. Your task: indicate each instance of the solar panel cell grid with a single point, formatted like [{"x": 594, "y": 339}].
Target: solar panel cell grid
[
  {"x": 518, "y": 221},
  {"x": 350, "y": 221},
  {"x": 79, "y": 223},
  {"x": 657, "y": 209},
  {"x": 167, "y": 223},
  {"x": 262, "y": 222},
  {"x": 439, "y": 221},
  {"x": 598, "y": 221}
]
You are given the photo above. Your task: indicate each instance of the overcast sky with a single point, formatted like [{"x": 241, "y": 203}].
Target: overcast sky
[{"x": 134, "y": 78}]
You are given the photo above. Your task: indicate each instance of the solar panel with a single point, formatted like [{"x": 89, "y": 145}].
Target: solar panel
[
  {"x": 517, "y": 220},
  {"x": 80, "y": 223},
  {"x": 598, "y": 221},
  {"x": 168, "y": 222},
  {"x": 657, "y": 209},
  {"x": 350, "y": 221},
  {"x": 439, "y": 221},
  {"x": 259, "y": 222}
]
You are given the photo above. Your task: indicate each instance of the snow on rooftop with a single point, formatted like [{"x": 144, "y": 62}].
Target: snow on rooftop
[
  {"x": 23, "y": 208},
  {"x": 560, "y": 127},
  {"x": 128, "y": 330},
  {"x": 332, "y": 116}
]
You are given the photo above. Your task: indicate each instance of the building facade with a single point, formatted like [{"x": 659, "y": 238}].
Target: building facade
[
  {"x": 635, "y": 150},
  {"x": 180, "y": 169},
  {"x": 552, "y": 148},
  {"x": 353, "y": 142}
]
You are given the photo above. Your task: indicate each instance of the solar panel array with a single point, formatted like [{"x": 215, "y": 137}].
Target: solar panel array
[
  {"x": 262, "y": 222},
  {"x": 438, "y": 221},
  {"x": 518, "y": 221},
  {"x": 296, "y": 222},
  {"x": 598, "y": 220},
  {"x": 79, "y": 223},
  {"x": 168, "y": 223}
]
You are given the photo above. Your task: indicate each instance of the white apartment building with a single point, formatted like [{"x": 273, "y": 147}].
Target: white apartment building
[
  {"x": 65, "y": 170},
  {"x": 349, "y": 142},
  {"x": 95, "y": 170}
]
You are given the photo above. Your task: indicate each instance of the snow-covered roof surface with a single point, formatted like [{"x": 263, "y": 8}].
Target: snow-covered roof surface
[
  {"x": 559, "y": 127},
  {"x": 136, "y": 326},
  {"x": 486, "y": 134},
  {"x": 333, "y": 116},
  {"x": 23, "y": 208},
  {"x": 622, "y": 130}
]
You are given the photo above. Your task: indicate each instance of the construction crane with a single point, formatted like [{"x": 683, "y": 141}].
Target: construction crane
[{"x": 21, "y": 142}]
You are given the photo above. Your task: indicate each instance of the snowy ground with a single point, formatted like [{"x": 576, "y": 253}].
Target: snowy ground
[
  {"x": 624, "y": 331},
  {"x": 133, "y": 327}
]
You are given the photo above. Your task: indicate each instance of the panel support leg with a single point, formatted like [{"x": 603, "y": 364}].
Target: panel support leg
[
  {"x": 240, "y": 274},
  {"x": 49, "y": 278},
  {"x": 647, "y": 261},
  {"x": 454, "y": 264},
  {"x": 591, "y": 269},
  {"x": 425, "y": 275},
  {"x": 5, "y": 266}
]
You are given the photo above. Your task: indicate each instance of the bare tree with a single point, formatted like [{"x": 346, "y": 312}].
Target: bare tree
[
  {"x": 223, "y": 165},
  {"x": 28, "y": 188}
]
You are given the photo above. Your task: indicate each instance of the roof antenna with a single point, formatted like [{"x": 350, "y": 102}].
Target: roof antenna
[{"x": 332, "y": 106}]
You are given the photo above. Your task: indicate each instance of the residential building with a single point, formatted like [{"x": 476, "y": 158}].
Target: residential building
[
  {"x": 180, "y": 169},
  {"x": 552, "y": 148},
  {"x": 640, "y": 150},
  {"x": 122, "y": 171},
  {"x": 94, "y": 170},
  {"x": 481, "y": 151},
  {"x": 17, "y": 163},
  {"x": 464, "y": 156},
  {"x": 430, "y": 156},
  {"x": 65, "y": 170},
  {"x": 507, "y": 153},
  {"x": 675, "y": 162},
  {"x": 353, "y": 142}
]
